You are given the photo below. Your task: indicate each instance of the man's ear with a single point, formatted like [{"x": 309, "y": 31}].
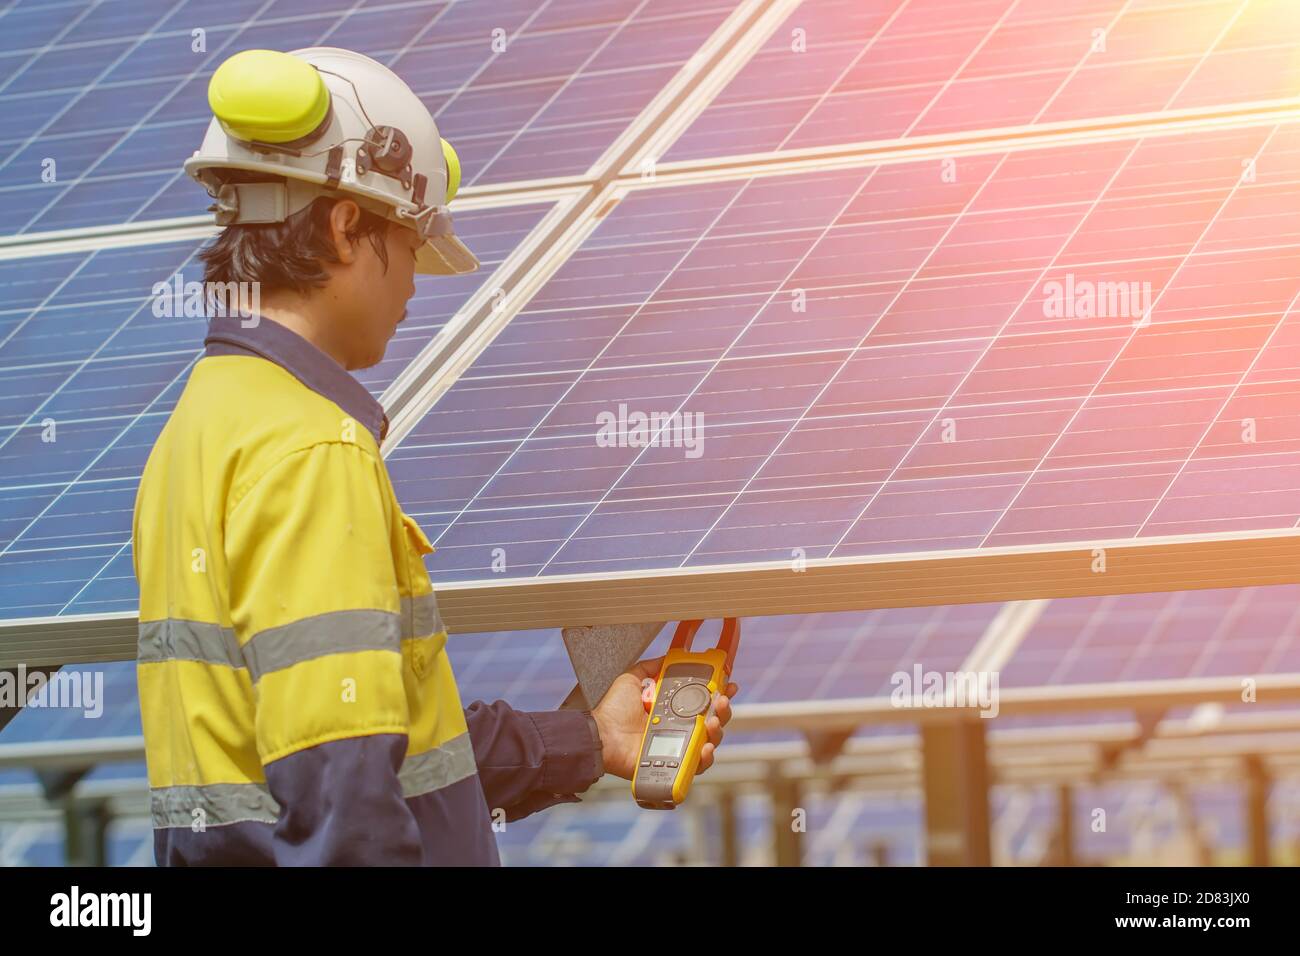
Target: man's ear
[{"x": 345, "y": 216}]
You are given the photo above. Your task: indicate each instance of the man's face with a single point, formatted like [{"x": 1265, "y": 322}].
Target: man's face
[{"x": 378, "y": 294}]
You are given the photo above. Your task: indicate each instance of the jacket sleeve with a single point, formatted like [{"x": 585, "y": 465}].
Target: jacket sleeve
[
  {"x": 314, "y": 604},
  {"x": 530, "y": 761}
]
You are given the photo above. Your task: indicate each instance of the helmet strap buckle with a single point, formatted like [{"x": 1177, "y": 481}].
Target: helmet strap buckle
[
  {"x": 250, "y": 203},
  {"x": 334, "y": 168}
]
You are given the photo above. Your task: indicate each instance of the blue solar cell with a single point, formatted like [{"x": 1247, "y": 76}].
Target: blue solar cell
[
  {"x": 126, "y": 111},
  {"x": 100, "y": 309},
  {"x": 1216, "y": 633},
  {"x": 29, "y": 282},
  {"x": 841, "y": 71},
  {"x": 107, "y": 706},
  {"x": 81, "y": 347},
  {"x": 28, "y": 27}
]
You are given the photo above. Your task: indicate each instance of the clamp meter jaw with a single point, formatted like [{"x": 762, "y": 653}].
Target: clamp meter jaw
[{"x": 683, "y": 699}]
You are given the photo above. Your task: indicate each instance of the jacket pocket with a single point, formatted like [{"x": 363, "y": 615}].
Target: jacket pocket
[
  {"x": 423, "y": 633},
  {"x": 416, "y": 538}
]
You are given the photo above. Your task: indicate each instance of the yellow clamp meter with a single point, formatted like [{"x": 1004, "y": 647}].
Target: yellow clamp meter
[{"x": 681, "y": 702}]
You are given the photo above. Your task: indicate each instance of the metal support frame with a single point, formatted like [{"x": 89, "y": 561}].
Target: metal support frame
[
  {"x": 787, "y": 842},
  {"x": 1174, "y": 563},
  {"x": 85, "y": 822},
  {"x": 1148, "y": 722},
  {"x": 728, "y": 827},
  {"x": 1257, "y": 785},
  {"x": 878, "y": 853},
  {"x": 825, "y": 745},
  {"x": 600, "y": 654},
  {"x": 85, "y": 826},
  {"x": 955, "y": 778},
  {"x": 1065, "y": 825}
]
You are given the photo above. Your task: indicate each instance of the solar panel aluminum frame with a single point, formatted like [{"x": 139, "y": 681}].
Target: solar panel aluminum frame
[{"x": 1175, "y": 563}]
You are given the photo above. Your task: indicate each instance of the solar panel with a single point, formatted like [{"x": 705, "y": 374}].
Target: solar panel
[
  {"x": 524, "y": 90},
  {"x": 840, "y": 71},
  {"x": 934, "y": 245},
  {"x": 1185, "y": 634},
  {"x": 119, "y": 717},
  {"x": 80, "y": 346},
  {"x": 879, "y": 368}
]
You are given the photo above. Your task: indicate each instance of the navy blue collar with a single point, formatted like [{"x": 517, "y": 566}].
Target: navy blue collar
[{"x": 308, "y": 364}]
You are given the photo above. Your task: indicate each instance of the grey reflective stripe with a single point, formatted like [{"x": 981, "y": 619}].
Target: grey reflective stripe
[
  {"x": 337, "y": 632},
  {"x": 420, "y": 617},
  {"x": 218, "y": 802},
  {"x": 171, "y": 640},
  {"x": 438, "y": 768}
]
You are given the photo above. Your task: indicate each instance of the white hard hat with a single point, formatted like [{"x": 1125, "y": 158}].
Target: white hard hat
[{"x": 330, "y": 122}]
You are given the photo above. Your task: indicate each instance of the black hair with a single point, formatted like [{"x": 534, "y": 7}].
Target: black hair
[{"x": 287, "y": 255}]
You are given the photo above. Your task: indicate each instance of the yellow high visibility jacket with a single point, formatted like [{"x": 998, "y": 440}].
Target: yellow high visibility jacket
[{"x": 297, "y": 701}]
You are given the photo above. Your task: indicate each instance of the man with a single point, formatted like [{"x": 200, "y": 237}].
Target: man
[{"x": 297, "y": 701}]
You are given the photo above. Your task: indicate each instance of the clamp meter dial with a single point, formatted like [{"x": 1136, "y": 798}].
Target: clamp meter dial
[{"x": 683, "y": 699}]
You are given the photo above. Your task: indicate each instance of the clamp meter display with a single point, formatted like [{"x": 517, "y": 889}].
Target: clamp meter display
[{"x": 683, "y": 699}]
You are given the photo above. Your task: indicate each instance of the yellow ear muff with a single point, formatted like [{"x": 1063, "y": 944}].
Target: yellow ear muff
[
  {"x": 453, "y": 170},
  {"x": 269, "y": 97}
]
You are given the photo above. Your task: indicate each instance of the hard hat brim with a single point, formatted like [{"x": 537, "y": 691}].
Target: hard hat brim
[{"x": 445, "y": 256}]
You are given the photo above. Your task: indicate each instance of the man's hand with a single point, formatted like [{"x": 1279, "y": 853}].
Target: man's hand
[{"x": 620, "y": 718}]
